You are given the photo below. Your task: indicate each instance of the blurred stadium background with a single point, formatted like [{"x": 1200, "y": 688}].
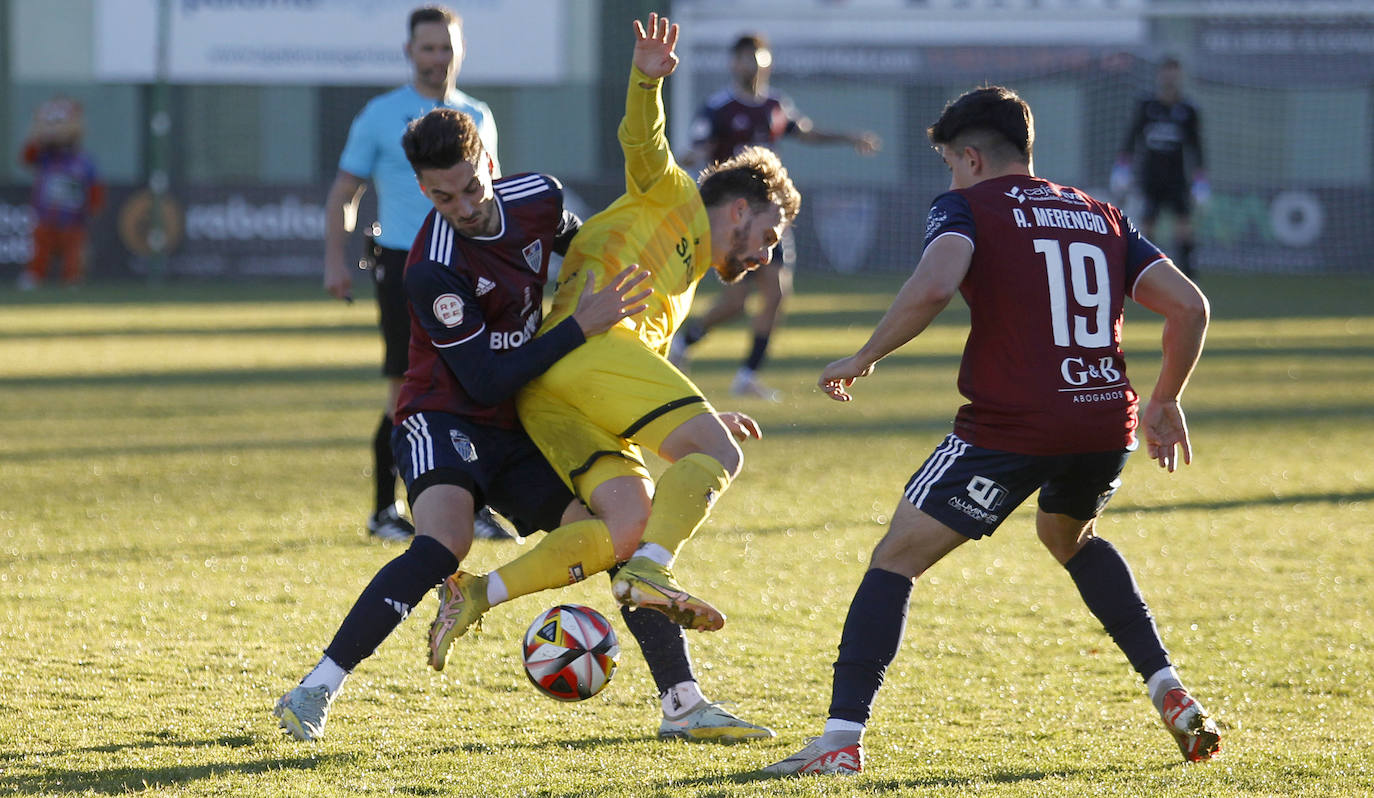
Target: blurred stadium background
[{"x": 230, "y": 114}]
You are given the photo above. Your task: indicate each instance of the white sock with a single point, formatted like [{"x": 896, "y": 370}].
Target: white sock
[
  {"x": 842, "y": 727},
  {"x": 496, "y": 589},
  {"x": 327, "y": 673},
  {"x": 681, "y": 697},
  {"x": 1163, "y": 680},
  {"x": 655, "y": 552}
]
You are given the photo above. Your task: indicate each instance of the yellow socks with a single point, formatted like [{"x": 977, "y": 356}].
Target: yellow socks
[
  {"x": 683, "y": 497},
  {"x": 566, "y": 555}
]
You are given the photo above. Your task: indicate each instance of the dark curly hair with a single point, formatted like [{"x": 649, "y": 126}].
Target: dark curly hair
[{"x": 754, "y": 173}]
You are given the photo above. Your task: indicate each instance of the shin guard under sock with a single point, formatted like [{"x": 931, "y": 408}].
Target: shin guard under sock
[
  {"x": 683, "y": 497},
  {"x": 872, "y": 634},
  {"x": 566, "y": 555},
  {"x": 388, "y": 599},
  {"x": 1108, "y": 588}
]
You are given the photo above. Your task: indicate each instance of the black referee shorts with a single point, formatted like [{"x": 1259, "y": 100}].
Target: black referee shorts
[{"x": 393, "y": 316}]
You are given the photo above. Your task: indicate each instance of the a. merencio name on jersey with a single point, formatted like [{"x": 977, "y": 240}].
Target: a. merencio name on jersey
[{"x": 950, "y": 213}]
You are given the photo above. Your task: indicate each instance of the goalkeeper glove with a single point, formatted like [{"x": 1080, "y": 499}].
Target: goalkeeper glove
[
  {"x": 1121, "y": 177},
  {"x": 1202, "y": 189}
]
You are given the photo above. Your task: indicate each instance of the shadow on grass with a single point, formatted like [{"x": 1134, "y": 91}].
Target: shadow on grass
[
  {"x": 57, "y": 780},
  {"x": 195, "y": 332},
  {"x": 237, "y": 377},
  {"x": 1291, "y": 499},
  {"x": 885, "y": 426},
  {"x": 192, "y": 448},
  {"x": 584, "y": 744},
  {"x": 963, "y": 783},
  {"x": 1328, "y": 497}
]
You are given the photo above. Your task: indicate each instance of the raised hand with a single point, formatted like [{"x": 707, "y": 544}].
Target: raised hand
[
  {"x": 599, "y": 311},
  {"x": 654, "y": 47}
]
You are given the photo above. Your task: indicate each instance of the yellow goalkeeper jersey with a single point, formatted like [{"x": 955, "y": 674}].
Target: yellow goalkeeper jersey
[{"x": 659, "y": 223}]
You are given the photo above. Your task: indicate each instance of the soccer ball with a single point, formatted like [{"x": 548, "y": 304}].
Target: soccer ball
[{"x": 570, "y": 652}]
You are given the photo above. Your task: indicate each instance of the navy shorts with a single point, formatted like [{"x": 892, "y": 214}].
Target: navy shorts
[
  {"x": 971, "y": 490},
  {"x": 393, "y": 315},
  {"x": 501, "y": 468}
]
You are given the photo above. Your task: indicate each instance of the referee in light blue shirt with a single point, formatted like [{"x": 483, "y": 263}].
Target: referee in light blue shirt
[{"x": 373, "y": 152}]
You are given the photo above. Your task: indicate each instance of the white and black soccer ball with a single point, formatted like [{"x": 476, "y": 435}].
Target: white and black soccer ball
[{"x": 570, "y": 652}]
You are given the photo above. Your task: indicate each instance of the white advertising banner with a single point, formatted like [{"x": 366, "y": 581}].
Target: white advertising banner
[{"x": 350, "y": 42}]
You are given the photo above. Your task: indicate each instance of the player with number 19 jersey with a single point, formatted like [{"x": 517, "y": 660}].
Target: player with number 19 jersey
[{"x": 1057, "y": 385}]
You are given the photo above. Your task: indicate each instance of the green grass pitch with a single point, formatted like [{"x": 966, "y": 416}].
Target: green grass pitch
[{"x": 182, "y": 484}]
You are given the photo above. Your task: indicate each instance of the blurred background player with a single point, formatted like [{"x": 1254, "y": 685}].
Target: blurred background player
[
  {"x": 373, "y": 152},
  {"x": 1050, "y": 407},
  {"x": 1165, "y": 135},
  {"x": 749, "y": 112},
  {"x": 67, "y": 192}
]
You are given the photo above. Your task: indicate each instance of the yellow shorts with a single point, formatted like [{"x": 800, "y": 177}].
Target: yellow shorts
[{"x": 593, "y": 409}]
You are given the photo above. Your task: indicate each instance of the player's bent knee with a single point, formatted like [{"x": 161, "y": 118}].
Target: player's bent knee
[
  {"x": 726, "y": 452},
  {"x": 704, "y": 434}
]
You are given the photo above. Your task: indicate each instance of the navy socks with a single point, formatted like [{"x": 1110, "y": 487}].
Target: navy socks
[
  {"x": 872, "y": 634},
  {"x": 1108, "y": 588},
  {"x": 388, "y": 599}
]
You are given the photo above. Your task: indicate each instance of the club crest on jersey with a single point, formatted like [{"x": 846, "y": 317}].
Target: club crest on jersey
[
  {"x": 448, "y": 309},
  {"x": 534, "y": 254},
  {"x": 462, "y": 445}
]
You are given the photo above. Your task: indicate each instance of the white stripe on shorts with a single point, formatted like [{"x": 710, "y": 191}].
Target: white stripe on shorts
[
  {"x": 421, "y": 445},
  {"x": 944, "y": 456}
]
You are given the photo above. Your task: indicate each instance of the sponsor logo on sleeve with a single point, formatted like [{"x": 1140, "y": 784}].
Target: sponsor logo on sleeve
[{"x": 935, "y": 221}]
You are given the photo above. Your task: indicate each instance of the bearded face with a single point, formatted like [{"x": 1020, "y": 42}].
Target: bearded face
[{"x": 751, "y": 243}]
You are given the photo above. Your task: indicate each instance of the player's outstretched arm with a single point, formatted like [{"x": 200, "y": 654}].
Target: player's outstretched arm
[
  {"x": 864, "y": 142},
  {"x": 1164, "y": 290},
  {"x": 599, "y": 311},
  {"x": 926, "y": 293}
]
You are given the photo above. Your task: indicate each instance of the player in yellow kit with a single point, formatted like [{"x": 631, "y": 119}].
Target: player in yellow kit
[{"x": 592, "y": 410}]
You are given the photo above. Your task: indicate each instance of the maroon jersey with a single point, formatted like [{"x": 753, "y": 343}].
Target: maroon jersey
[
  {"x": 728, "y": 124},
  {"x": 1043, "y": 368},
  {"x": 475, "y": 301}
]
